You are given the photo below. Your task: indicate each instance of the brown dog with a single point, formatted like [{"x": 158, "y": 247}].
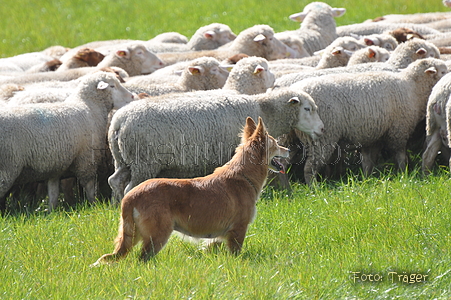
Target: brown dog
[{"x": 220, "y": 205}]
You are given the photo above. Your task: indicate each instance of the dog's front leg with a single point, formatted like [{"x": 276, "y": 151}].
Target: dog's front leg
[{"x": 235, "y": 238}]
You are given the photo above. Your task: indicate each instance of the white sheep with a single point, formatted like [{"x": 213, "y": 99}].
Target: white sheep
[
  {"x": 437, "y": 121},
  {"x": 294, "y": 42},
  {"x": 23, "y": 62},
  {"x": 374, "y": 28},
  {"x": 251, "y": 76},
  {"x": 204, "y": 73},
  {"x": 207, "y": 37},
  {"x": 190, "y": 134},
  {"x": 85, "y": 57},
  {"x": 56, "y": 77},
  {"x": 330, "y": 57},
  {"x": 48, "y": 141},
  {"x": 441, "y": 25},
  {"x": 370, "y": 54},
  {"x": 417, "y": 18},
  {"x": 170, "y": 37},
  {"x": 442, "y": 40},
  {"x": 369, "y": 109},
  {"x": 383, "y": 40},
  {"x": 134, "y": 58},
  {"x": 318, "y": 27},
  {"x": 400, "y": 58},
  {"x": 257, "y": 40},
  {"x": 335, "y": 55},
  {"x": 447, "y": 3},
  {"x": 7, "y": 91},
  {"x": 211, "y": 37},
  {"x": 39, "y": 95}
]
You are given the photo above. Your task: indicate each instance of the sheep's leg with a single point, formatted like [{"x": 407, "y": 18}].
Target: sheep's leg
[
  {"x": 317, "y": 156},
  {"x": 53, "y": 189},
  {"x": 90, "y": 190},
  {"x": 6, "y": 183},
  {"x": 135, "y": 180},
  {"x": 433, "y": 146},
  {"x": 2, "y": 204},
  {"x": 67, "y": 185},
  {"x": 369, "y": 158},
  {"x": 118, "y": 182},
  {"x": 401, "y": 159}
]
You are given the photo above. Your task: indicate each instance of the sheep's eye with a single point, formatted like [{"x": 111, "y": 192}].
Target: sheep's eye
[{"x": 307, "y": 109}]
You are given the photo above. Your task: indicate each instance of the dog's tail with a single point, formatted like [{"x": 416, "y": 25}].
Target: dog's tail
[{"x": 127, "y": 237}]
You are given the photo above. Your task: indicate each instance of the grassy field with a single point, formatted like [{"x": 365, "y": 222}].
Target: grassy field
[
  {"x": 323, "y": 242},
  {"x": 309, "y": 245},
  {"x": 28, "y": 25}
]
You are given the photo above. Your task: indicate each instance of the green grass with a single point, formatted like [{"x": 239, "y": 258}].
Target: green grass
[
  {"x": 28, "y": 25},
  {"x": 302, "y": 246}
]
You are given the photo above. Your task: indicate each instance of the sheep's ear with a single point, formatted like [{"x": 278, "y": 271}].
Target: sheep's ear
[
  {"x": 102, "y": 85},
  {"x": 197, "y": 70},
  {"x": 298, "y": 17},
  {"x": 369, "y": 41},
  {"x": 122, "y": 53},
  {"x": 294, "y": 100},
  {"x": 259, "y": 69},
  {"x": 356, "y": 36},
  {"x": 259, "y": 38},
  {"x": 371, "y": 53},
  {"x": 338, "y": 12},
  {"x": 437, "y": 109},
  {"x": 209, "y": 34},
  {"x": 337, "y": 51},
  {"x": 227, "y": 67},
  {"x": 421, "y": 51},
  {"x": 319, "y": 52},
  {"x": 431, "y": 71},
  {"x": 249, "y": 129},
  {"x": 348, "y": 52}
]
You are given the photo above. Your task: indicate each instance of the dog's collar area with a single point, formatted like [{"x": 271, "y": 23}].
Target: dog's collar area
[{"x": 251, "y": 183}]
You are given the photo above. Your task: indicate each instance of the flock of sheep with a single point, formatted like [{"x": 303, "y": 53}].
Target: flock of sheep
[{"x": 112, "y": 114}]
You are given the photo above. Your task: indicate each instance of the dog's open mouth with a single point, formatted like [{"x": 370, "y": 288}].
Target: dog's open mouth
[{"x": 277, "y": 166}]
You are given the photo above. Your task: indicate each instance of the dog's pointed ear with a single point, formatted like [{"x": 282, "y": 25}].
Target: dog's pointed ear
[
  {"x": 261, "y": 128},
  {"x": 249, "y": 129}
]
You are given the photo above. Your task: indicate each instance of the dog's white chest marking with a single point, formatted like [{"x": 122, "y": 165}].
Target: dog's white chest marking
[{"x": 135, "y": 213}]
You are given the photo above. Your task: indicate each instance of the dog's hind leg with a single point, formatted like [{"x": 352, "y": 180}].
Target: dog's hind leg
[
  {"x": 235, "y": 238},
  {"x": 155, "y": 233}
]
